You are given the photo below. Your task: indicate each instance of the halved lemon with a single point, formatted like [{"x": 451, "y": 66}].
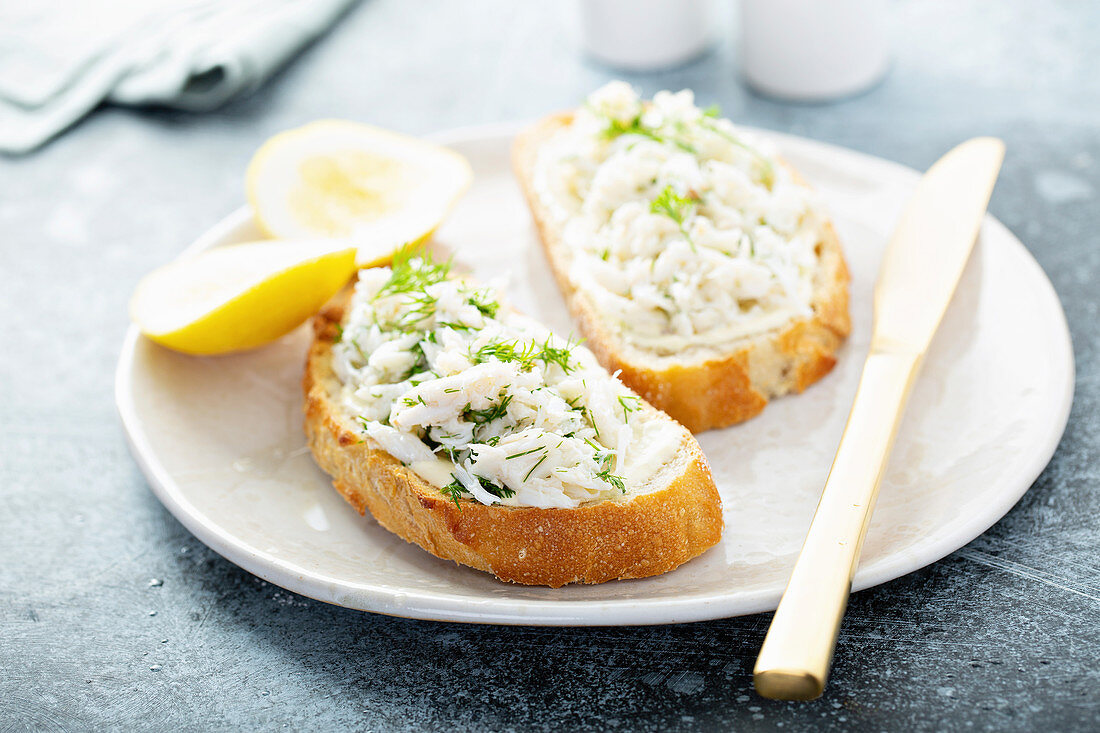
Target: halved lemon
[
  {"x": 239, "y": 296},
  {"x": 335, "y": 178}
]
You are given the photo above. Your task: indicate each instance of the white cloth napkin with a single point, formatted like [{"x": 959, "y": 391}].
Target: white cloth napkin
[{"x": 61, "y": 58}]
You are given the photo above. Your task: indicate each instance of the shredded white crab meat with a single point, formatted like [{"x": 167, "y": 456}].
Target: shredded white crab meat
[
  {"x": 730, "y": 254},
  {"x": 485, "y": 403}
]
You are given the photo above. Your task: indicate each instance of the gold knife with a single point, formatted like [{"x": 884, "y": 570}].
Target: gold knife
[{"x": 920, "y": 270}]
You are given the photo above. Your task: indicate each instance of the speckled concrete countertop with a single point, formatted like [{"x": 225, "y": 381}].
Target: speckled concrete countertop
[{"x": 1002, "y": 635}]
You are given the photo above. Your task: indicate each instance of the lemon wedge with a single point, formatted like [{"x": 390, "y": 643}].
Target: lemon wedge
[
  {"x": 239, "y": 296},
  {"x": 342, "y": 179}
]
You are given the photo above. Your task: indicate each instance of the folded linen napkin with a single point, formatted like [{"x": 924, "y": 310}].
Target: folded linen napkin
[{"x": 61, "y": 58}]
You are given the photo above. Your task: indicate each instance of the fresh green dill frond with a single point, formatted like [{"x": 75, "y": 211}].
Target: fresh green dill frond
[
  {"x": 421, "y": 307},
  {"x": 629, "y": 404},
  {"x": 418, "y": 365},
  {"x": 587, "y": 415},
  {"x": 522, "y": 352},
  {"x": 676, "y": 207},
  {"x": 494, "y": 488},
  {"x": 413, "y": 269},
  {"x": 524, "y": 453},
  {"x": 557, "y": 355},
  {"x": 673, "y": 205},
  {"x": 537, "y": 464},
  {"x": 616, "y": 128},
  {"x": 455, "y": 490},
  {"x": 616, "y": 481},
  {"x": 454, "y": 326},
  {"x": 527, "y": 353},
  {"x": 483, "y": 300},
  {"x": 487, "y": 415}
]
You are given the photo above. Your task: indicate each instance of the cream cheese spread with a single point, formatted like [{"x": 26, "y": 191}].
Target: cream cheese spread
[
  {"x": 681, "y": 229},
  {"x": 484, "y": 403}
]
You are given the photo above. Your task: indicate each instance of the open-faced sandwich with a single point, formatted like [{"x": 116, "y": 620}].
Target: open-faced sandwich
[
  {"x": 474, "y": 432},
  {"x": 696, "y": 264}
]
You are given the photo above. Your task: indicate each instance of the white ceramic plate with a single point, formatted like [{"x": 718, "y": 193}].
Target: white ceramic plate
[{"x": 220, "y": 439}]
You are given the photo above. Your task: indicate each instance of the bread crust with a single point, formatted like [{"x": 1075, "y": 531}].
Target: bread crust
[
  {"x": 593, "y": 543},
  {"x": 714, "y": 391}
]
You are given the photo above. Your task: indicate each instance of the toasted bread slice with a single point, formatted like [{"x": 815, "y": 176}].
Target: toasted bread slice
[
  {"x": 659, "y": 526},
  {"x": 704, "y": 387}
]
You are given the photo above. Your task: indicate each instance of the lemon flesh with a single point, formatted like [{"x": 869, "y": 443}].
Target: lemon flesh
[
  {"x": 239, "y": 296},
  {"x": 337, "y": 192},
  {"x": 340, "y": 179}
]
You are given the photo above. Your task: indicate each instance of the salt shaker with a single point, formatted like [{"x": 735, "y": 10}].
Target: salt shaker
[
  {"x": 643, "y": 35},
  {"x": 812, "y": 50}
]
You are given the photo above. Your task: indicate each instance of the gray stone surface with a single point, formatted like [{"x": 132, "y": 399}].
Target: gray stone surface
[{"x": 1002, "y": 635}]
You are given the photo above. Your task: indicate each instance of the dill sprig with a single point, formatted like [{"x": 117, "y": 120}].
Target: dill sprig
[
  {"x": 527, "y": 353},
  {"x": 483, "y": 301},
  {"x": 603, "y": 458},
  {"x": 537, "y": 464},
  {"x": 413, "y": 269},
  {"x": 586, "y": 414},
  {"x": 524, "y": 453},
  {"x": 418, "y": 365},
  {"x": 494, "y": 488},
  {"x": 616, "y": 481},
  {"x": 629, "y": 404},
  {"x": 422, "y": 307},
  {"x": 454, "y": 326},
  {"x": 616, "y": 128},
  {"x": 557, "y": 355},
  {"x": 676, "y": 207},
  {"x": 455, "y": 490},
  {"x": 522, "y": 352},
  {"x": 494, "y": 411}
]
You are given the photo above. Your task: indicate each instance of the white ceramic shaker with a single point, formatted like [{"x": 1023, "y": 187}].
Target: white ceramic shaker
[
  {"x": 643, "y": 35},
  {"x": 813, "y": 50}
]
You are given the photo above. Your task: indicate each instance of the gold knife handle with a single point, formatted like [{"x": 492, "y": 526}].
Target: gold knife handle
[{"x": 794, "y": 660}]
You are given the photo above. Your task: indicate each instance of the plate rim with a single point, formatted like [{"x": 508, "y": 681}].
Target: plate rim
[{"x": 427, "y": 605}]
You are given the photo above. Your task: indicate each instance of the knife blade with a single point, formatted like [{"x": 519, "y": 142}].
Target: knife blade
[{"x": 920, "y": 271}]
